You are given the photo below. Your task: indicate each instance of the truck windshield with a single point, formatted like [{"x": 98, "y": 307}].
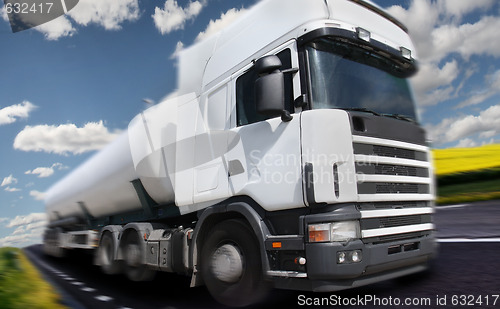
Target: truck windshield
[{"x": 351, "y": 77}]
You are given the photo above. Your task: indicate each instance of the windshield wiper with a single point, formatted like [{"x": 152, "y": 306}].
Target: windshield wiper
[
  {"x": 401, "y": 117},
  {"x": 360, "y": 109},
  {"x": 365, "y": 110}
]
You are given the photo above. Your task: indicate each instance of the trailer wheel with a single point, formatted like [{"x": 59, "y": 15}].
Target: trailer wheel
[
  {"x": 52, "y": 243},
  {"x": 133, "y": 253},
  {"x": 231, "y": 265},
  {"x": 106, "y": 255}
]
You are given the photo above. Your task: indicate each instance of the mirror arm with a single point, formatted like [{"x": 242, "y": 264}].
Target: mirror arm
[{"x": 291, "y": 70}]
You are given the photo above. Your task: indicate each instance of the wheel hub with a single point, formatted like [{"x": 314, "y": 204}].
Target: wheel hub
[
  {"x": 133, "y": 255},
  {"x": 227, "y": 263}
]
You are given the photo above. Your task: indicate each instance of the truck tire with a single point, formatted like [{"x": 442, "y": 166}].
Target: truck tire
[
  {"x": 231, "y": 265},
  {"x": 133, "y": 253},
  {"x": 106, "y": 255}
]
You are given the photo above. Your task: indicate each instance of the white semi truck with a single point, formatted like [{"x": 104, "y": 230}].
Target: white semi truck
[{"x": 290, "y": 155}]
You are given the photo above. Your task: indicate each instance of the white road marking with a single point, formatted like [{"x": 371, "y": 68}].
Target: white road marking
[
  {"x": 103, "y": 298},
  {"x": 87, "y": 289},
  {"x": 453, "y": 206},
  {"x": 77, "y": 283},
  {"x": 469, "y": 239}
]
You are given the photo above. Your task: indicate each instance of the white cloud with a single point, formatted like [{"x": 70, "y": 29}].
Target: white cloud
[
  {"x": 173, "y": 17},
  {"x": 488, "y": 134},
  {"x": 438, "y": 32},
  {"x": 458, "y": 8},
  {"x": 65, "y": 138},
  {"x": 19, "y": 230},
  {"x": 57, "y": 28},
  {"x": 28, "y": 230},
  {"x": 178, "y": 48},
  {"x": 420, "y": 18},
  {"x": 466, "y": 143},
  {"x": 441, "y": 76},
  {"x": 215, "y": 26},
  {"x": 37, "y": 195},
  {"x": 431, "y": 91},
  {"x": 9, "y": 189},
  {"x": 22, "y": 237},
  {"x": 20, "y": 240},
  {"x": 471, "y": 69},
  {"x": 10, "y": 113},
  {"x": 3, "y": 13},
  {"x": 8, "y": 181},
  {"x": 28, "y": 219},
  {"x": 491, "y": 87},
  {"x": 435, "y": 96},
  {"x": 109, "y": 14},
  {"x": 43, "y": 172},
  {"x": 486, "y": 124},
  {"x": 467, "y": 39},
  {"x": 475, "y": 98},
  {"x": 36, "y": 225}
]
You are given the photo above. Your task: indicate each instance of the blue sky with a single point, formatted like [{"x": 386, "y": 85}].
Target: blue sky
[{"x": 68, "y": 87}]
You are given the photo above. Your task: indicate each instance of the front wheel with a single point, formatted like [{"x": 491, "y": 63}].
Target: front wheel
[{"x": 231, "y": 265}]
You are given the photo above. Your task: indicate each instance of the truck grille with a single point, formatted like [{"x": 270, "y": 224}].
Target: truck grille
[
  {"x": 391, "y": 169},
  {"x": 400, "y": 221},
  {"x": 391, "y": 188},
  {"x": 394, "y": 188},
  {"x": 396, "y": 237},
  {"x": 389, "y": 151},
  {"x": 387, "y": 170},
  {"x": 393, "y": 152},
  {"x": 391, "y": 205}
]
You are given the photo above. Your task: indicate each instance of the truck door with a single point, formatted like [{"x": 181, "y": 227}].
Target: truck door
[
  {"x": 264, "y": 159},
  {"x": 211, "y": 139}
]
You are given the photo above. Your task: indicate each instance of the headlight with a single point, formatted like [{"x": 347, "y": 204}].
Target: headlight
[
  {"x": 345, "y": 230},
  {"x": 335, "y": 231}
]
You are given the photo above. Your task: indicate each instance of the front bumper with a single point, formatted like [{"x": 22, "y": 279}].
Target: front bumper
[{"x": 379, "y": 262}]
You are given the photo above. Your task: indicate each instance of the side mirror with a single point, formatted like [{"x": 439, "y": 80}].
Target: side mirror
[{"x": 270, "y": 88}]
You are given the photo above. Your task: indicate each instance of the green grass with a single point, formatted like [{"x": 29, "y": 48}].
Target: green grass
[
  {"x": 461, "y": 198},
  {"x": 21, "y": 285},
  {"x": 468, "y": 188},
  {"x": 463, "y": 192}
]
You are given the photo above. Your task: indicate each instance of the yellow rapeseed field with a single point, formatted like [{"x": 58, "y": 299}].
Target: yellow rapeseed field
[{"x": 456, "y": 160}]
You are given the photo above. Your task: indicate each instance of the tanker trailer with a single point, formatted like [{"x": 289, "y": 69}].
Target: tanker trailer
[{"x": 289, "y": 156}]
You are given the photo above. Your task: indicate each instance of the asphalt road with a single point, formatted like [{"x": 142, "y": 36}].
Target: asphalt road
[
  {"x": 466, "y": 274},
  {"x": 476, "y": 220}
]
